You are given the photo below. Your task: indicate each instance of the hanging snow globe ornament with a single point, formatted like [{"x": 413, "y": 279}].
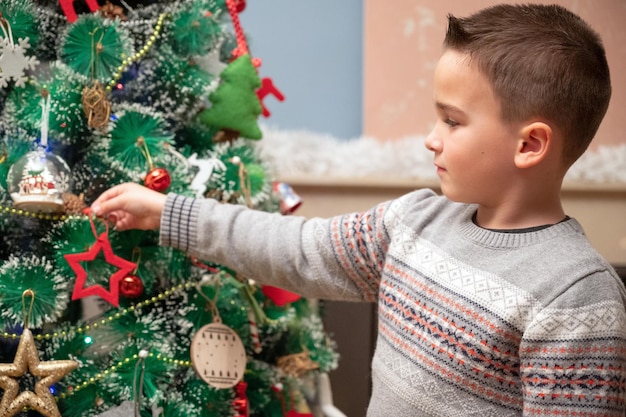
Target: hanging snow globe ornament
[{"x": 38, "y": 180}]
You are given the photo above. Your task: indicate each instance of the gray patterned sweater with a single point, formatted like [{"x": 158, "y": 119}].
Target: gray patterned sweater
[{"x": 472, "y": 322}]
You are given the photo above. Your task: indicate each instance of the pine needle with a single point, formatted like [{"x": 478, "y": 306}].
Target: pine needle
[{"x": 95, "y": 47}]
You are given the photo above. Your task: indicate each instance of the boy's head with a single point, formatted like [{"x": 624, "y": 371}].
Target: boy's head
[{"x": 543, "y": 62}]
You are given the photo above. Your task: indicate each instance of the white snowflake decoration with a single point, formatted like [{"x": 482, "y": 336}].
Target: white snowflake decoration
[{"x": 14, "y": 63}]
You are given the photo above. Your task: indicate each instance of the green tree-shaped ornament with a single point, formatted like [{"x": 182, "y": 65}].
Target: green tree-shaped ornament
[{"x": 235, "y": 105}]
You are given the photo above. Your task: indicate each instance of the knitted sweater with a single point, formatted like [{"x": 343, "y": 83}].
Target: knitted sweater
[{"x": 471, "y": 322}]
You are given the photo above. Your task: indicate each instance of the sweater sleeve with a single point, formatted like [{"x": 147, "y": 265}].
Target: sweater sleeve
[
  {"x": 573, "y": 360},
  {"x": 338, "y": 258}
]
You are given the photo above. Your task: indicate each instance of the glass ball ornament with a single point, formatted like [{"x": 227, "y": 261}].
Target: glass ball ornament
[
  {"x": 158, "y": 179},
  {"x": 131, "y": 286},
  {"x": 38, "y": 180}
]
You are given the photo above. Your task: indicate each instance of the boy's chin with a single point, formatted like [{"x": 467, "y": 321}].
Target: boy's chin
[{"x": 457, "y": 197}]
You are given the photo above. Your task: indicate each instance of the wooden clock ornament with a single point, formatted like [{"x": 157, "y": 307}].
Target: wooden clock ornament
[{"x": 217, "y": 352}]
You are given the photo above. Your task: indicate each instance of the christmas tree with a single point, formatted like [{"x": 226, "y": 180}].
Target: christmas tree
[{"x": 100, "y": 322}]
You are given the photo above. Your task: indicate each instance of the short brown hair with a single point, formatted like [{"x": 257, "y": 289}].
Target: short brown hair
[{"x": 542, "y": 61}]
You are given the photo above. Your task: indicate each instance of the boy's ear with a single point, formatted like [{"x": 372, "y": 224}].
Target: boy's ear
[{"x": 534, "y": 144}]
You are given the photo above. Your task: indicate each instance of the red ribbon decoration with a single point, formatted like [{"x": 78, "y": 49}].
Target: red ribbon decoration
[
  {"x": 242, "y": 45},
  {"x": 70, "y": 12}
]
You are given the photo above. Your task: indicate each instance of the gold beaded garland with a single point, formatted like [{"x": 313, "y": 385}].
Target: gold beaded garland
[
  {"x": 80, "y": 330},
  {"x": 41, "y": 216},
  {"x": 110, "y": 319},
  {"x": 143, "y": 51},
  {"x": 98, "y": 377}
]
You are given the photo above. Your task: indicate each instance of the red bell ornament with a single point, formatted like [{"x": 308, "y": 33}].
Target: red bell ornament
[
  {"x": 158, "y": 179},
  {"x": 131, "y": 286}
]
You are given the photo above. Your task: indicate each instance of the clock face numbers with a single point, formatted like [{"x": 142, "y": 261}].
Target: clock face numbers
[{"x": 218, "y": 355}]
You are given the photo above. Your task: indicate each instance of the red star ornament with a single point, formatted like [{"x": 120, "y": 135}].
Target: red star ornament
[{"x": 125, "y": 267}]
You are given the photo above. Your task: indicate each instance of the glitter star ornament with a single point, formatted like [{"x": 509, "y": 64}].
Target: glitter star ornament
[
  {"x": 112, "y": 294},
  {"x": 14, "y": 63},
  {"x": 46, "y": 373}
]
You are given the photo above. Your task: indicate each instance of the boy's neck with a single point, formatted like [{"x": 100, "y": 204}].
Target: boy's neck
[
  {"x": 531, "y": 200},
  {"x": 520, "y": 216},
  {"x": 524, "y": 229}
]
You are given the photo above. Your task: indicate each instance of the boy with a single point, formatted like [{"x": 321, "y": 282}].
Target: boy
[{"x": 491, "y": 300}]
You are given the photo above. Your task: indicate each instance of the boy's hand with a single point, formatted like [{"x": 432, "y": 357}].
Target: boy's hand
[{"x": 130, "y": 206}]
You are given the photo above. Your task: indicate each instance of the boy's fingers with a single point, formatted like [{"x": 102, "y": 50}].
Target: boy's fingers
[
  {"x": 112, "y": 192},
  {"x": 108, "y": 201},
  {"x": 108, "y": 206},
  {"x": 96, "y": 210}
]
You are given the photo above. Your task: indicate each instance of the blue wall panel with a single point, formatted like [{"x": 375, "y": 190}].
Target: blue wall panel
[{"x": 313, "y": 52}]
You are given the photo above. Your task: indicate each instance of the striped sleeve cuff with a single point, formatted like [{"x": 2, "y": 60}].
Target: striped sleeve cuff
[{"x": 179, "y": 222}]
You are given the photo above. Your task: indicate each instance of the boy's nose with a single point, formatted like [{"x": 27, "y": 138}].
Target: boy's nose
[{"x": 432, "y": 143}]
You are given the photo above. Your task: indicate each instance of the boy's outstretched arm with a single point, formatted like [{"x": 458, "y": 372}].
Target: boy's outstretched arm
[{"x": 130, "y": 206}]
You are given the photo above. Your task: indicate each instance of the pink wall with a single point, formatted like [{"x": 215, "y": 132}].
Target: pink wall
[{"x": 403, "y": 41}]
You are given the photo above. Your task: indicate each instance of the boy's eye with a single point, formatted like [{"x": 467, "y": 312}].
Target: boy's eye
[{"x": 450, "y": 122}]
